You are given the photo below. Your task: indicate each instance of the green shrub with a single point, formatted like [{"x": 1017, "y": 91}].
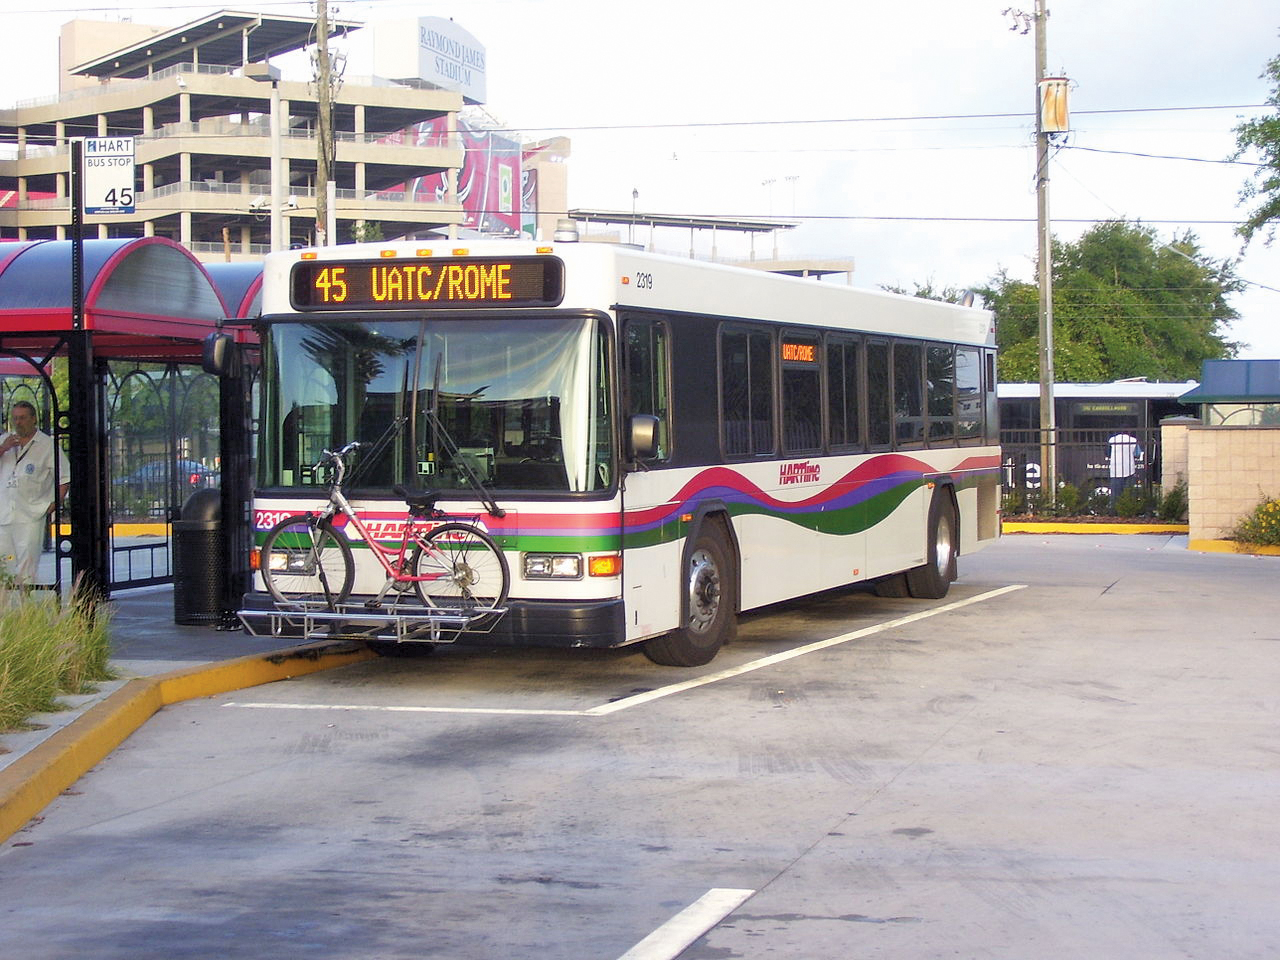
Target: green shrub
[
  {"x": 1038, "y": 504},
  {"x": 1099, "y": 503},
  {"x": 1013, "y": 503},
  {"x": 1130, "y": 503},
  {"x": 1069, "y": 500},
  {"x": 1174, "y": 503},
  {"x": 1261, "y": 525},
  {"x": 48, "y": 647}
]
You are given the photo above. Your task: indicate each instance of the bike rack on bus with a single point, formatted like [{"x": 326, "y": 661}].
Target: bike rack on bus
[{"x": 316, "y": 620}]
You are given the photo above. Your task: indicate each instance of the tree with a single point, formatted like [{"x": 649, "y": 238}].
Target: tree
[
  {"x": 926, "y": 291},
  {"x": 1262, "y": 135},
  {"x": 1125, "y": 304}
]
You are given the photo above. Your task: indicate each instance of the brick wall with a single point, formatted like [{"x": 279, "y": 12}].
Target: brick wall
[{"x": 1228, "y": 470}]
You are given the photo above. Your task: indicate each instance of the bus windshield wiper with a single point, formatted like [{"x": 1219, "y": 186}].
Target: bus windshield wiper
[{"x": 443, "y": 439}]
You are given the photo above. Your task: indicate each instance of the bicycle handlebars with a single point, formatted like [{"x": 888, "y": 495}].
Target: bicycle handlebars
[{"x": 338, "y": 457}]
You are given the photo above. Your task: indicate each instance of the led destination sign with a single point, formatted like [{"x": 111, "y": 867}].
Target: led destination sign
[{"x": 393, "y": 284}]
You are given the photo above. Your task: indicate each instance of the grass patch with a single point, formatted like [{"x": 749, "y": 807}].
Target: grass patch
[{"x": 48, "y": 646}]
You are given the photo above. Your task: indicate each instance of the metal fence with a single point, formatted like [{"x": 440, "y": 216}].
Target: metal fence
[{"x": 1084, "y": 459}]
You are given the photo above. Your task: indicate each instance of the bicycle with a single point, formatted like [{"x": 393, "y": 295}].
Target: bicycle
[{"x": 451, "y": 565}]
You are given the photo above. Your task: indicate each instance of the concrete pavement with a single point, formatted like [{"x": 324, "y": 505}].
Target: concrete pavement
[{"x": 157, "y": 662}]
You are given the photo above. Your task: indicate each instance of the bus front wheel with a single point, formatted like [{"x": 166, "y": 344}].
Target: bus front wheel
[{"x": 708, "y": 603}]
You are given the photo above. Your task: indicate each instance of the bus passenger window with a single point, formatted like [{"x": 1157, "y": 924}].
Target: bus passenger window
[
  {"x": 941, "y": 386},
  {"x": 969, "y": 400},
  {"x": 746, "y": 392},
  {"x": 908, "y": 393},
  {"x": 843, "y": 393},
  {"x": 801, "y": 395},
  {"x": 989, "y": 393},
  {"x": 879, "y": 395},
  {"x": 645, "y": 352}
]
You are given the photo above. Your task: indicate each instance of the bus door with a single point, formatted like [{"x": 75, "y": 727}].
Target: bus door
[{"x": 650, "y": 514}]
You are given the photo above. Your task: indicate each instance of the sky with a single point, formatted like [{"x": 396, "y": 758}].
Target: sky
[{"x": 899, "y": 135}]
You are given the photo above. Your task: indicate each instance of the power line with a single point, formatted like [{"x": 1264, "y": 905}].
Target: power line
[{"x": 1161, "y": 156}]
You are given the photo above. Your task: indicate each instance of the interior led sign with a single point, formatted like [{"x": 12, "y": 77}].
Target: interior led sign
[
  {"x": 393, "y": 284},
  {"x": 799, "y": 352}
]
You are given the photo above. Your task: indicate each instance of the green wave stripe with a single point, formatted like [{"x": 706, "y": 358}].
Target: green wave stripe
[{"x": 857, "y": 518}]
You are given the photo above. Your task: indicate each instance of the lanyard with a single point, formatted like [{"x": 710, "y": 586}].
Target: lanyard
[{"x": 25, "y": 450}]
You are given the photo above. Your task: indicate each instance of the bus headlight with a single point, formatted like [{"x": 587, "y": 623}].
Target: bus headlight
[{"x": 553, "y": 566}]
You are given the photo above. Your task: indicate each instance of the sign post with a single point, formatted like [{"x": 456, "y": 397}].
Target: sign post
[{"x": 102, "y": 172}]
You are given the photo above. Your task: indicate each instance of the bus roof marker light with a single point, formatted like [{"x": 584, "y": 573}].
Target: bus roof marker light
[
  {"x": 543, "y": 249},
  {"x": 460, "y": 251},
  {"x": 310, "y": 256},
  {"x": 425, "y": 252},
  {"x": 386, "y": 253},
  {"x": 625, "y": 281}
]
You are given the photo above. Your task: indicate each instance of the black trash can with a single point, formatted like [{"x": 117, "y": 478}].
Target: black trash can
[{"x": 199, "y": 567}]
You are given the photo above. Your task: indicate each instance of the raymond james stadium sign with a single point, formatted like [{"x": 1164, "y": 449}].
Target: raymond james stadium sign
[
  {"x": 432, "y": 49},
  {"x": 454, "y": 59}
]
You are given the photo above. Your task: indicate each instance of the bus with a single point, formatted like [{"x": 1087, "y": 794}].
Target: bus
[
  {"x": 669, "y": 442},
  {"x": 1087, "y": 415}
]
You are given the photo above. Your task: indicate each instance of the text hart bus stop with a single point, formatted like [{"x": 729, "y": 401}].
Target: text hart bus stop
[{"x": 147, "y": 301}]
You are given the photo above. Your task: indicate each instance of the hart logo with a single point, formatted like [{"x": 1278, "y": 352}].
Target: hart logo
[
  {"x": 385, "y": 530},
  {"x": 802, "y": 472}
]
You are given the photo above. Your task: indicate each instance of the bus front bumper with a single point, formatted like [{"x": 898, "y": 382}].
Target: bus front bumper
[{"x": 532, "y": 623}]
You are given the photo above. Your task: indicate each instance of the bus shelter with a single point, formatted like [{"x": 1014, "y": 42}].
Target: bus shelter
[{"x": 120, "y": 388}]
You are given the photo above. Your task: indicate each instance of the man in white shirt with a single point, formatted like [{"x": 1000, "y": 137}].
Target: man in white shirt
[
  {"x": 1123, "y": 455},
  {"x": 26, "y": 491}
]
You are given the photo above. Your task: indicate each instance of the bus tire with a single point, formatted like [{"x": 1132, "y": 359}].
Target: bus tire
[
  {"x": 932, "y": 580},
  {"x": 892, "y": 587},
  {"x": 708, "y": 604}
]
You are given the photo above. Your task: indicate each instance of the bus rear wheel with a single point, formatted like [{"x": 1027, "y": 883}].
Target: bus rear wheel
[
  {"x": 932, "y": 580},
  {"x": 708, "y": 604}
]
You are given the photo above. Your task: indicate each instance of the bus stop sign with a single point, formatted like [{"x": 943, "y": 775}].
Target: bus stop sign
[{"x": 108, "y": 175}]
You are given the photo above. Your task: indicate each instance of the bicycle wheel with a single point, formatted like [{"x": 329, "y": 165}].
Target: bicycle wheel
[
  {"x": 301, "y": 560},
  {"x": 467, "y": 570}
]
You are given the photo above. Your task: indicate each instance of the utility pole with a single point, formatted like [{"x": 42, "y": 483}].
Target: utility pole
[
  {"x": 1048, "y": 416},
  {"x": 324, "y": 123}
]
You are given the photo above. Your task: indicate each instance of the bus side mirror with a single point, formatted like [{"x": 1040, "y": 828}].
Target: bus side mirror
[
  {"x": 217, "y": 353},
  {"x": 642, "y": 440}
]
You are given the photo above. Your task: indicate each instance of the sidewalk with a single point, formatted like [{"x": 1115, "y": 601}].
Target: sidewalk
[{"x": 145, "y": 642}]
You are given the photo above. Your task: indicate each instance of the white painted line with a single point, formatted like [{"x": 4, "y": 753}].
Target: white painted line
[
  {"x": 677, "y": 934},
  {"x": 638, "y": 699},
  {"x": 626, "y": 703},
  {"x": 400, "y": 709}
]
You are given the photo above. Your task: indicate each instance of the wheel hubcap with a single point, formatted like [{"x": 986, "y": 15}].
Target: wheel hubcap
[
  {"x": 704, "y": 590},
  {"x": 945, "y": 549}
]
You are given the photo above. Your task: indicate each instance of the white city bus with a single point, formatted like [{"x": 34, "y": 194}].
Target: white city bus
[{"x": 670, "y": 442}]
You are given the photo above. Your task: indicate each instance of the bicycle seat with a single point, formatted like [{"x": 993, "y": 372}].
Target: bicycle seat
[{"x": 421, "y": 502}]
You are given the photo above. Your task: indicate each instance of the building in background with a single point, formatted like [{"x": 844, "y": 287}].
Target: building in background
[
  {"x": 192, "y": 97},
  {"x": 415, "y": 153}
]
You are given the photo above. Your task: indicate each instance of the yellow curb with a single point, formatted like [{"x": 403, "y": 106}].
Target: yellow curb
[
  {"x": 127, "y": 529},
  {"x": 29, "y": 784},
  {"x": 1010, "y": 526},
  {"x": 1232, "y": 546}
]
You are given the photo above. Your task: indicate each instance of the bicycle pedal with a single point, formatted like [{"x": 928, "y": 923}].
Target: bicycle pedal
[{"x": 373, "y": 604}]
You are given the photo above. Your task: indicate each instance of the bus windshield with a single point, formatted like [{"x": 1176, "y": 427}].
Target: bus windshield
[{"x": 525, "y": 403}]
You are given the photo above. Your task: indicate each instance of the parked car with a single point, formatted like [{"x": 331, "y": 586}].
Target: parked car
[{"x": 190, "y": 474}]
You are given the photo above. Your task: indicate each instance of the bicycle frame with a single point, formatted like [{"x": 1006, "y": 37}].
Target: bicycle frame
[{"x": 391, "y": 559}]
